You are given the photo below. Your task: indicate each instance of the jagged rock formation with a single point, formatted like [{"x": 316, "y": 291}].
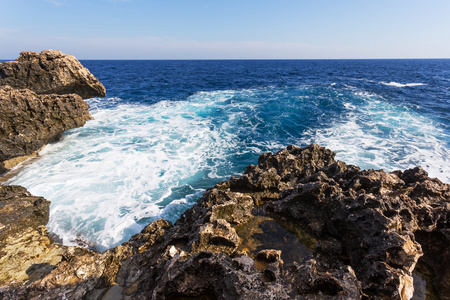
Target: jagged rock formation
[
  {"x": 40, "y": 98},
  {"x": 25, "y": 250},
  {"x": 29, "y": 121},
  {"x": 299, "y": 225},
  {"x": 50, "y": 72},
  {"x": 20, "y": 210}
]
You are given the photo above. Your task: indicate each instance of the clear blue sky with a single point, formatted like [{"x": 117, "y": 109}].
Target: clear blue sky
[{"x": 227, "y": 29}]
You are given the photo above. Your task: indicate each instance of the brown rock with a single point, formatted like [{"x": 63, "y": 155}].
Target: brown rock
[
  {"x": 20, "y": 210},
  {"x": 217, "y": 236},
  {"x": 26, "y": 251},
  {"x": 29, "y": 121},
  {"x": 367, "y": 228},
  {"x": 28, "y": 256},
  {"x": 50, "y": 72}
]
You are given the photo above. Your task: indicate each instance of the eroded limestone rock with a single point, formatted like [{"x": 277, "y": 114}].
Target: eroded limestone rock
[
  {"x": 29, "y": 121},
  {"x": 50, "y": 72},
  {"x": 365, "y": 232},
  {"x": 20, "y": 210},
  {"x": 40, "y": 98}
]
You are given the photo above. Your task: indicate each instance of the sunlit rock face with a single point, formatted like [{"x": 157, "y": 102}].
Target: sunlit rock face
[
  {"x": 41, "y": 96},
  {"x": 50, "y": 72},
  {"x": 29, "y": 121}
]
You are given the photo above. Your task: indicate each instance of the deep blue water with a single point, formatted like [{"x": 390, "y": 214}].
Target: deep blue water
[{"x": 168, "y": 130}]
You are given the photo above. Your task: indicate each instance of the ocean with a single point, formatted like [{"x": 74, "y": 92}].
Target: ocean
[{"x": 168, "y": 130}]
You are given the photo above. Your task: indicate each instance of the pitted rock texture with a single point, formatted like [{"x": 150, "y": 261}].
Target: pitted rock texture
[
  {"x": 20, "y": 210},
  {"x": 50, "y": 72},
  {"x": 29, "y": 121},
  {"x": 366, "y": 230},
  {"x": 26, "y": 252}
]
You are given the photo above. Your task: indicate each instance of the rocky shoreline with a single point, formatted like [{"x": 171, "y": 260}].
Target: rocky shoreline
[
  {"x": 41, "y": 96},
  {"x": 298, "y": 225}
]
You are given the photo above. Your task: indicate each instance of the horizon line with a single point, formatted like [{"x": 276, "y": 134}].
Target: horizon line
[{"x": 261, "y": 59}]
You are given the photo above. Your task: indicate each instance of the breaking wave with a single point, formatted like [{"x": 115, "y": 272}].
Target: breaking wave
[{"x": 396, "y": 84}]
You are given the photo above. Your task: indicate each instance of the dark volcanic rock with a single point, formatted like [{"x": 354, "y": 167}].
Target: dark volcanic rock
[
  {"x": 29, "y": 121},
  {"x": 365, "y": 230},
  {"x": 50, "y": 72}
]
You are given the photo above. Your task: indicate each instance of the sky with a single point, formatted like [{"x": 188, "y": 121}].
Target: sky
[{"x": 227, "y": 29}]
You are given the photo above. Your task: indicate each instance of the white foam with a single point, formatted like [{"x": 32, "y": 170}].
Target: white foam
[
  {"x": 381, "y": 135},
  {"x": 349, "y": 106},
  {"x": 136, "y": 163},
  {"x": 105, "y": 178},
  {"x": 396, "y": 84}
]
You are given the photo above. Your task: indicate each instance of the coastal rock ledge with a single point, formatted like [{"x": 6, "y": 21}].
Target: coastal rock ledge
[
  {"x": 50, "y": 72},
  {"x": 299, "y": 225},
  {"x": 41, "y": 96}
]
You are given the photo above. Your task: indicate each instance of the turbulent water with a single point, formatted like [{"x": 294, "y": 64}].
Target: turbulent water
[{"x": 168, "y": 130}]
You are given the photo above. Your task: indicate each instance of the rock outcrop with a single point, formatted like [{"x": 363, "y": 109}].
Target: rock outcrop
[
  {"x": 29, "y": 121},
  {"x": 40, "y": 98},
  {"x": 20, "y": 210},
  {"x": 50, "y": 72},
  {"x": 25, "y": 250},
  {"x": 299, "y": 225}
]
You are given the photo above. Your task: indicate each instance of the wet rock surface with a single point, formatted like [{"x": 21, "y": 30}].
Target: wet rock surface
[
  {"x": 362, "y": 233},
  {"x": 50, "y": 72}
]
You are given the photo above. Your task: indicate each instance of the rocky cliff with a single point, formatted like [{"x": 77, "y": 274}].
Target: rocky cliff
[
  {"x": 299, "y": 225},
  {"x": 50, "y": 72},
  {"x": 29, "y": 121},
  {"x": 40, "y": 98}
]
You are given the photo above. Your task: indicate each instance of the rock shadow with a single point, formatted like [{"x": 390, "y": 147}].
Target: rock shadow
[{"x": 38, "y": 272}]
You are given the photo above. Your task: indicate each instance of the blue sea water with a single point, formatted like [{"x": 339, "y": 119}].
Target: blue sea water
[{"x": 168, "y": 130}]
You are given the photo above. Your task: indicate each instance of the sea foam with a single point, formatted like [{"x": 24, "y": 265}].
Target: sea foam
[
  {"x": 108, "y": 178},
  {"x": 377, "y": 134},
  {"x": 396, "y": 84},
  {"x": 134, "y": 163}
]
